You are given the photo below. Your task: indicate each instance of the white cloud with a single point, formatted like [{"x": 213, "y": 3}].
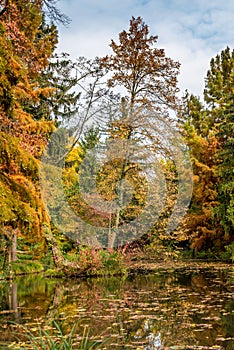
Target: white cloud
[{"x": 190, "y": 31}]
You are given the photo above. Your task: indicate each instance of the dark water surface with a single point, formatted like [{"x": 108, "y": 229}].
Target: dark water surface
[{"x": 186, "y": 309}]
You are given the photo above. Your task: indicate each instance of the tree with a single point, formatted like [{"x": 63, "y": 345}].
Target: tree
[
  {"x": 219, "y": 96},
  {"x": 199, "y": 223},
  {"x": 49, "y": 8},
  {"x": 61, "y": 103},
  {"x": 26, "y": 48},
  {"x": 148, "y": 76},
  {"x": 149, "y": 80},
  {"x": 54, "y": 13},
  {"x": 225, "y": 208},
  {"x": 219, "y": 78},
  {"x": 208, "y": 133},
  {"x": 24, "y": 52}
]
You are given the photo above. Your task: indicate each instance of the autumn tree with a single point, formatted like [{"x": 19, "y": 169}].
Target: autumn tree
[
  {"x": 24, "y": 53},
  {"x": 149, "y": 81},
  {"x": 148, "y": 76},
  {"x": 203, "y": 146},
  {"x": 208, "y": 133}
]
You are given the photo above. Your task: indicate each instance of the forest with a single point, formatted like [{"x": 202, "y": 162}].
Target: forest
[{"x": 100, "y": 160}]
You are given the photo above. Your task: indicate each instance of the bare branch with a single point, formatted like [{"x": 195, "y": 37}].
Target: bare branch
[{"x": 54, "y": 13}]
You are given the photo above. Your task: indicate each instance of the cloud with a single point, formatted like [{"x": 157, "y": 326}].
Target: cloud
[{"x": 191, "y": 32}]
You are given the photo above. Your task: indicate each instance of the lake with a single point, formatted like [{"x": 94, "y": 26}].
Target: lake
[{"x": 191, "y": 308}]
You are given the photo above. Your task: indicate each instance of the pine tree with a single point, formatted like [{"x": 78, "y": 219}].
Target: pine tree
[
  {"x": 225, "y": 208},
  {"x": 61, "y": 103},
  {"x": 219, "y": 96},
  {"x": 218, "y": 80}
]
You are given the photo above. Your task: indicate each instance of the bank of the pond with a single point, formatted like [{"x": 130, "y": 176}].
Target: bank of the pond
[
  {"x": 129, "y": 265},
  {"x": 21, "y": 268}
]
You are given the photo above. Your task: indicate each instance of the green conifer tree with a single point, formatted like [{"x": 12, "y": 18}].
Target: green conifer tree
[{"x": 225, "y": 208}]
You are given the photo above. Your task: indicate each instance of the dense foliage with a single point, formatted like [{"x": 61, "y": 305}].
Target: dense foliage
[
  {"x": 208, "y": 130},
  {"x": 37, "y": 95},
  {"x": 25, "y": 48}
]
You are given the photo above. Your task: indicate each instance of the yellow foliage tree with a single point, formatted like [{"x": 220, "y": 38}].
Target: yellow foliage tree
[{"x": 25, "y": 49}]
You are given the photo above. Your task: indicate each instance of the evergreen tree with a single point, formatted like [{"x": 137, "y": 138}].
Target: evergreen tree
[
  {"x": 218, "y": 79},
  {"x": 225, "y": 208},
  {"x": 60, "y": 103}
]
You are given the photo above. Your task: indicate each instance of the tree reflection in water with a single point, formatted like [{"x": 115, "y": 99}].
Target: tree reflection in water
[{"x": 192, "y": 309}]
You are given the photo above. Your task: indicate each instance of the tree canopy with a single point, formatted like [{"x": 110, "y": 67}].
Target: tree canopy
[{"x": 42, "y": 92}]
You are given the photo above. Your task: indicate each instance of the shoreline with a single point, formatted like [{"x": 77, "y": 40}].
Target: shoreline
[{"x": 141, "y": 266}]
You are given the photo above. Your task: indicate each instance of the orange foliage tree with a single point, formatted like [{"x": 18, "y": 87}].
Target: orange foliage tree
[
  {"x": 208, "y": 132},
  {"x": 25, "y": 49}
]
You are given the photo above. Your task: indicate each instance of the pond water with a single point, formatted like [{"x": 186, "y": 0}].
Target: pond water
[{"x": 187, "y": 309}]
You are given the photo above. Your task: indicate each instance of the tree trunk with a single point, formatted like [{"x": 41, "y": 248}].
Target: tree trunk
[{"x": 14, "y": 245}]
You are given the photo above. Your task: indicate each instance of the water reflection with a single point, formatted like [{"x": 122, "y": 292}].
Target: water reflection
[
  {"x": 191, "y": 309},
  {"x": 154, "y": 342}
]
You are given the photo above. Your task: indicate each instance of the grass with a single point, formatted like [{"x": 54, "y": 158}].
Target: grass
[
  {"x": 25, "y": 267},
  {"x": 21, "y": 268},
  {"x": 43, "y": 340}
]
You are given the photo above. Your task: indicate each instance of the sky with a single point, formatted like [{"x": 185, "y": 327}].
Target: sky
[{"x": 190, "y": 31}]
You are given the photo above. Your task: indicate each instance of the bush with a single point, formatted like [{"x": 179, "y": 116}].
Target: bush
[
  {"x": 100, "y": 261},
  {"x": 206, "y": 254},
  {"x": 113, "y": 262},
  {"x": 228, "y": 254}
]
